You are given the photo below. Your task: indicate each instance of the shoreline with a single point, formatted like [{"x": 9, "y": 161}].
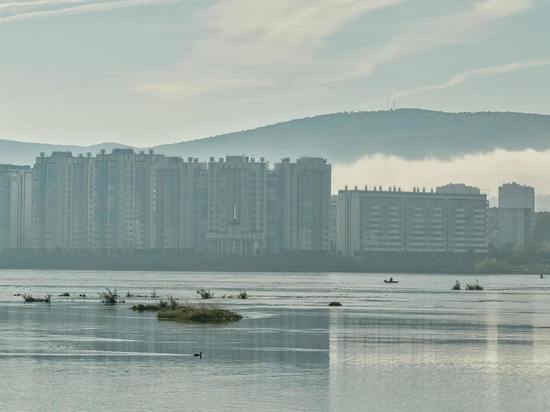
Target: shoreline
[{"x": 288, "y": 263}]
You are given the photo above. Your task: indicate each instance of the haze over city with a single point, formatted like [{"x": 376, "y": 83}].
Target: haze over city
[
  {"x": 274, "y": 205},
  {"x": 166, "y": 71}
]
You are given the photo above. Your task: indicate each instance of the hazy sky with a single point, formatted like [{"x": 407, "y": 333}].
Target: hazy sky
[{"x": 154, "y": 71}]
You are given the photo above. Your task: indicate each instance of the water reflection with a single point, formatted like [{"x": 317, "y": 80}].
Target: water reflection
[
  {"x": 415, "y": 347},
  {"x": 492, "y": 357}
]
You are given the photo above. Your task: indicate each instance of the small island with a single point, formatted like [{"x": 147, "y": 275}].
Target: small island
[
  {"x": 199, "y": 314},
  {"x": 170, "y": 309}
]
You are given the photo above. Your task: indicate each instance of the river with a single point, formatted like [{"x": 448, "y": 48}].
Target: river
[{"x": 412, "y": 346}]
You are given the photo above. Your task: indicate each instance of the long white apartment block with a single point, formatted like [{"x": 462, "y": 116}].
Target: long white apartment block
[{"x": 392, "y": 220}]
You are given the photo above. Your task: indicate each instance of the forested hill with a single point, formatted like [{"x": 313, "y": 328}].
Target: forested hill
[
  {"x": 345, "y": 137},
  {"x": 408, "y": 133}
]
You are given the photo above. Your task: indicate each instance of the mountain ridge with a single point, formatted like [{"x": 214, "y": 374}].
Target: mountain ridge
[{"x": 347, "y": 136}]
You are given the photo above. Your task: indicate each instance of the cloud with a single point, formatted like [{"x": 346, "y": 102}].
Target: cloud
[
  {"x": 438, "y": 31},
  {"x": 279, "y": 44},
  {"x": 285, "y": 26},
  {"x": 51, "y": 8},
  {"x": 176, "y": 85},
  {"x": 250, "y": 43},
  {"x": 460, "y": 78},
  {"x": 33, "y": 5},
  {"x": 486, "y": 171}
]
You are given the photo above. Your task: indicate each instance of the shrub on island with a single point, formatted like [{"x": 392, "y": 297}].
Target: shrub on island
[{"x": 28, "y": 298}]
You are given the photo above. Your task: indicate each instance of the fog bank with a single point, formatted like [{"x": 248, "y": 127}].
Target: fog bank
[{"x": 485, "y": 170}]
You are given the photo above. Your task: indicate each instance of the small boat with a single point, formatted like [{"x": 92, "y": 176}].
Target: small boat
[{"x": 390, "y": 281}]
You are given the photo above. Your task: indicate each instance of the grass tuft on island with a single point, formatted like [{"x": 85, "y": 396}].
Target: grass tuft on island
[
  {"x": 28, "y": 298},
  {"x": 142, "y": 307},
  {"x": 199, "y": 314},
  {"x": 163, "y": 304}
]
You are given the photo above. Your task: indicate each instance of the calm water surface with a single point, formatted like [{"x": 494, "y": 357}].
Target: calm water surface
[{"x": 415, "y": 345}]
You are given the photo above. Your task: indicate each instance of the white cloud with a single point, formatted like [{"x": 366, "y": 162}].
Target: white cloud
[
  {"x": 495, "y": 9},
  {"x": 49, "y": 8},
  {"x": 434, "y": 32},
  {"x": 284, "y": 26},
  {"x": 250, "y": 43},
  {"x": 33, "y": 5},
  {"x": 278, "y": 44},
  {"x": 460, "y": 78}
]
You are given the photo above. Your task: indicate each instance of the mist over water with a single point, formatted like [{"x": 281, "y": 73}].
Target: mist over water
[{"x": 484, "y": 170}]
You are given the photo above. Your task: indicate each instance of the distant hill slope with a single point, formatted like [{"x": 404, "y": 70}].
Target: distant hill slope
[
  {"x": 345, "y": 137},
  {"x": 25, "y": 153},
  {"x": 407, "y": 133}
]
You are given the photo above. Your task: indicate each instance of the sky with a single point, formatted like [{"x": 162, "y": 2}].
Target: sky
[{"x": 144, "y": 72}]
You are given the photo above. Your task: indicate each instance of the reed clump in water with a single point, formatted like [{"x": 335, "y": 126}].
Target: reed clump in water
[
  {"x": 111, "y": 297},
  {"x": 199, "y": 314},
  {"x": 28, "y": 298},
  {"x": 473, "y": 286},
  {"x": 205, "y": 294},
  {"x": 240, "y": 295}
]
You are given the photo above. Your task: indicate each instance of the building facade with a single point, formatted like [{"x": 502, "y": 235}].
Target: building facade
[
  {"x": 15, "y": 207},
  {"x": 516, "y": 196},
  {"x": 332, "y": 223},
  {"x": 410, "y": 222},
  {"x": 94, "y": 203},
  {"x": 181, "y": 204},
  {"x": 510, "y": 228},
  {"x": 304, "y": 191},
  {"x": 60, "y": 202},
  {"x": 126, "y": 200},
  {"x": 237, "y": 206},
  {"x": 512, "y": 224}
]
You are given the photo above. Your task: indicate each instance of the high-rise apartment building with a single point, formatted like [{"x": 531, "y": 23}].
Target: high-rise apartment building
[
  {"x": 332, "y": 222},
  {"x": 94, "y": 203},
  {"x": 15, "y": 207},
  {"x": 181, "y": 204},
  {"x": 304, "y": 192},
  {"x": 510, "y": 228},
  {"x": 458, "y": 189},
  {"x": 512, "y": 224},
  {"x": 60, "y": 202},
  {"x": 411, "y": 222},
  {"x": 514, "y": 195},
  {"x": 120, "y": 187},
  {"x": 126, "y": 200},
  {"x": 237, "y": 193}
]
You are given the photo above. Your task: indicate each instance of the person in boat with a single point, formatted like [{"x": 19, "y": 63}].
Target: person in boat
[{"x": 391, "y": 279}]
